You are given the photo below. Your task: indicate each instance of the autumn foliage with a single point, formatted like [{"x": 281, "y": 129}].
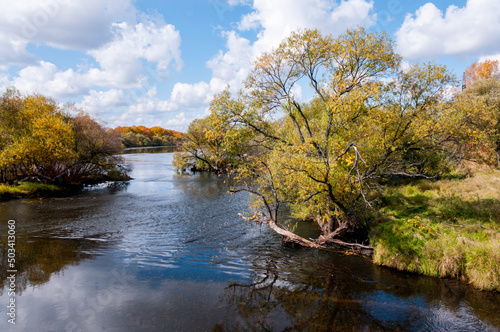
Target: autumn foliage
[
  {"x": 480, "y": 70},
  {"x": 43, "y": 142},
  {"x": 369, "y": 122},
  {"x": 139, "y": 136}
]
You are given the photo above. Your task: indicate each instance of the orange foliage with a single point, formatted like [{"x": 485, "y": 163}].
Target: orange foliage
[
  {"x": 149, "y": 132},
  {"x": 480, "y": 70}
]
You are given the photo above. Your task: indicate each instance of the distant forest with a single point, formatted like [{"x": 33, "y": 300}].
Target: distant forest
[{"x": 140, "y": 136}]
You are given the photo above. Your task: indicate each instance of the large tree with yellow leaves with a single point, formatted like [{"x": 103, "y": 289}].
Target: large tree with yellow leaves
[
  {"x": 40, "y": 141},
  {"x": 366, "y": 121}
]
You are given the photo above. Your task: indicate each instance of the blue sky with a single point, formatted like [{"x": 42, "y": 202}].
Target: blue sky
[{"x": 148, "y": 62}]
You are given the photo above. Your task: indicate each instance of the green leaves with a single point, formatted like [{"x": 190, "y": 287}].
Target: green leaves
[
  {"x": 43, "y": 142},
  {"x": 476, "y": 112},
  {"x": 367, "y": 120}
]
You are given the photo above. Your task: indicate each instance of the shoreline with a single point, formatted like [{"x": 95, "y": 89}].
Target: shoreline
[
  {"x": 32, "y": 190},
  {"x": 444, "y": 229}
]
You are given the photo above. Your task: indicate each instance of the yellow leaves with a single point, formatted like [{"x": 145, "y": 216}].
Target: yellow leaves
[
  {"x": 480, "y": 70},
  {"x": 43, "y": 136}
]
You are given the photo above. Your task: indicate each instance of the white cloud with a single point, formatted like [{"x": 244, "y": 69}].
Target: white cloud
[
  {"x": 275, "y": 20},
  {"x": 237, "y": 2},
  {"x": 179, "y": 121},
  {"x": 149, "y": 104},
  {"x": 120, "y": 63},
  {"x": 231, "y": 67},
  {"x": 190, "y": 95},
  {"x": 120, "y": 59},
  {"x": 102, "y": 101},
  {"x": 279, "y": 18},
  {"x": 490, "y": 57},
  {"x": 129, "y": 56},
  {"x": 13, "y": 52},
  {"x": 108, "y": 32},
  {"x": 183, "y": 96},
  {"x": 63, "y": 24},
  {"x": 474, "y": 28},
  {"x": 47, "y": 79}
]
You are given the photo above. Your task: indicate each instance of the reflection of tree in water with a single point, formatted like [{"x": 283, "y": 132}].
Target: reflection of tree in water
[
  {"x": 312, "y": 296},
  {"x": 38, "y": 258},
  {"x": 201, "y": 185},
  {"x": 160, "y": 149},
  {"x": 295, "y": 301}
]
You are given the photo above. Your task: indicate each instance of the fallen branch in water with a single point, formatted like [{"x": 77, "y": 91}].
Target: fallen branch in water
[{"x": 322, "y": 242}]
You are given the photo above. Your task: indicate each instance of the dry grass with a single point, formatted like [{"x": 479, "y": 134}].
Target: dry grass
[{"x": 446, "y": 228}]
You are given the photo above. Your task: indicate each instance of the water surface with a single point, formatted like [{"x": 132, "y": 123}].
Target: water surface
[{"x": 168, "y": 252}]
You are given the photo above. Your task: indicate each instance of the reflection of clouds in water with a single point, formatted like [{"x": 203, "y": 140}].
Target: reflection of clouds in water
[
  {"x": 38, "y": 259},
  {"x": 171, "y": 245},
  {"x": 387, "y": 307},
  {"x": 201, "y": 185},
  {"x": 422, "y": 314},
  {"x": 99, "y": 297}
]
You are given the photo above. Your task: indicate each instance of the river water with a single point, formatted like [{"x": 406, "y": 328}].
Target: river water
[{"x": 168, "y": 252}]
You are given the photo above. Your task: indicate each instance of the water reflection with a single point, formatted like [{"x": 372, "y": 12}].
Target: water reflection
[
  {"x": 168, "y": 252},
  {"x": 38, "y": 258},
  {"x": 151, "y": 149},
  {"x": 346, "y": 293}
]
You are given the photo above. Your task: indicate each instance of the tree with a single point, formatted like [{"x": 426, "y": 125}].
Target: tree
[
  {"x": 137, "y": 136},
  {"x": 39, "y": 137},
  {"x": 477, "y": 110},
  {"x": 480, "y": 70},
  {"x": 97, "y": 149},
  {"x": 43, "y": 142},
  {"x": 215, "y": 143},
  {"x": 368, "y": 121}
]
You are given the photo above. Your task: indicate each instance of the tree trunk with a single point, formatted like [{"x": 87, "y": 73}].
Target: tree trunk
[{"x": 322, "y": 242}]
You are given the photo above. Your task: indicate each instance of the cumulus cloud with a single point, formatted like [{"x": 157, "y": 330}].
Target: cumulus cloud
[
  {"x": 46, "y": 78},
  {"x": 273, "y": 21},
  {"x": 277, "y": 19},
  {"x": 183, "y": 96},
  {"x": 108, "y": 31},
  {"x": 474, "y": 28},
  {"x": 126, "y": 55},
  {"x": 103, "y": 101},
  {"x": 490, "y": 57},
  {"x": 231, "y": 67},
  {"x": 180, "y": 120},
  {"x": 63, "y": 24},
  {"x": 120, "y": 63},
  {"x": 120, "y": 60},
  {"x": 190, "y": 95},
  {"x": 149, "y": 104}
]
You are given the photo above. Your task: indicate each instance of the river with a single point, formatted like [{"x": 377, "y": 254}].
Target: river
[{"x": 168, "y": 252}]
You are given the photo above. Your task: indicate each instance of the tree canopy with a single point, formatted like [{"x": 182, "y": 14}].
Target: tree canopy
[
  {"x": 480, "y": 70},
  {"x": 40, "y": 141},
  {"x": 478, "y": 112},
  {"x": 139, "y": 136},
  {"x": 367, "y": 121}
]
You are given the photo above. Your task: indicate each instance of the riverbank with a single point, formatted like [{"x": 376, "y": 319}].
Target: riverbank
[
  {"x": 30, "y": 189},
  {"x": 167, "y": 243},
  {"x": 446, "y": 228},
  {"x": 38, "y": 190}
]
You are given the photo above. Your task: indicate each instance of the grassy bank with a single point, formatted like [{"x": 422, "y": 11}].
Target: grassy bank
[
  {"x": 447, "y": 228},
  {"x": 28, "y": 189}
]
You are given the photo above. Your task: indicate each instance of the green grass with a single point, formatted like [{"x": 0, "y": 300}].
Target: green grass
[
  {"x": 446, "y": 228},
  {"x": 27, "y": 189}
]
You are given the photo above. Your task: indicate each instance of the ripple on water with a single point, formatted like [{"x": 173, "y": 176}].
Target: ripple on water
[{"x": 164, "y": 244}]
